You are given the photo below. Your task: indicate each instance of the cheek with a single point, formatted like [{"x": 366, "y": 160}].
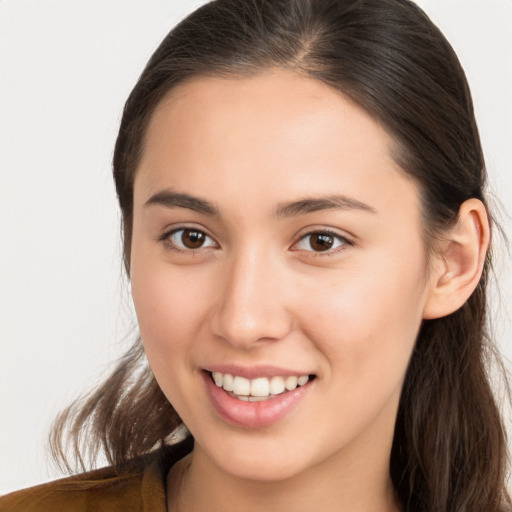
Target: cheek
[
  {"x": 169, "y": 304},
  {"x": 367, "y": 321}
]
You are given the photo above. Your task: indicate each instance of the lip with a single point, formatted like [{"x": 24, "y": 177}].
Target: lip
[
  {"x": 254, "y": 414},
  {"x": 253, "y": 372}
]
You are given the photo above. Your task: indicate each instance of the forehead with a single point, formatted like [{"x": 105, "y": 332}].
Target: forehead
[
  {"x": 270, "y": 133},
  {"x": 282, "y": 100}
]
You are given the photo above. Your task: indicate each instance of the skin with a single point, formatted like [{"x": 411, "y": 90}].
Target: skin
[{"x": 258, "y": 293}]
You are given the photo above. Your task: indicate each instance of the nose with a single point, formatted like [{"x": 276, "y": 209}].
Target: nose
[{"x": 252, "y": 306}]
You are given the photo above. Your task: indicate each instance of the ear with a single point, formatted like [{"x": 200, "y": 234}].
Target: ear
[{"x": 458, "y": 264}]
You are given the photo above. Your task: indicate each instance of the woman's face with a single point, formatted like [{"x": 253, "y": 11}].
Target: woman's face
[{"x": 274, "y": 238}]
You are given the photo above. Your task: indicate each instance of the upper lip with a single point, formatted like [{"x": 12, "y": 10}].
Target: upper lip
[{"x": 255, "y": 371}]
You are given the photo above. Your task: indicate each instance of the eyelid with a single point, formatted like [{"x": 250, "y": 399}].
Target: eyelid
[
  {"x": 165, "y": 238},
  {"x": 346, "y": 241}
]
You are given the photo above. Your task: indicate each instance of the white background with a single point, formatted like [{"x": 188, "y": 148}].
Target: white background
[{"x": 66, "y": 68}]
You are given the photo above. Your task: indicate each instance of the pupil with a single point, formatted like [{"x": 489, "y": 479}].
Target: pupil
[
  {"x": 321, "y": 242},
  {"x": 192, "y": 239}
]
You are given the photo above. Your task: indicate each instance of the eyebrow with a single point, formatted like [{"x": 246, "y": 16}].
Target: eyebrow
[
  {"x": 332, "y": 202},
  {"x": 170, "y": 199}
]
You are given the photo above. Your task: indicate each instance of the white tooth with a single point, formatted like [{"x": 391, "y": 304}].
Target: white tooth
[
  {"x": 260, "y": 387},
  {"x": 217, "y": 377},
  {"x": 241, "y": 386},
  {"x": 300, "y": 381},
  {"x": 258, "y": 398},
  {"x": 243, "y": 398},
  {"x": 290, "y": 383},
  {"x": 227, "y": 382},
  {"x": 277, "y": 385}
]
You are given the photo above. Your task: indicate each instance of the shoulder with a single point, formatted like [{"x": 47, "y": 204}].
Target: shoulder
[
  {"x": 140, "y": 489},
  {"x": 98, "y": 490}
]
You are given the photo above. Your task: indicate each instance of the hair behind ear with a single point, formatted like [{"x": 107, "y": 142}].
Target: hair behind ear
[{"x": 450, "y": 443}]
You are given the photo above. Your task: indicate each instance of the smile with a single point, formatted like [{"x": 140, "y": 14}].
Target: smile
[
  {"x": 256, "y": 402},
  {"x": 258, "y": 389}
]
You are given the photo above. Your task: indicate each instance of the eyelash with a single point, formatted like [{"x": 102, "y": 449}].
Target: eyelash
[
  {"x": 343, "y": 242},
  {"x": 166, "y": 238}
]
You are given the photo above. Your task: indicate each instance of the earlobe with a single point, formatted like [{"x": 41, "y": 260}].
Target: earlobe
[{"x": 460, "y": 261}]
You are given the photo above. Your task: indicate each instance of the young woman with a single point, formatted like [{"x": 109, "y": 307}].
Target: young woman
[{"x": 307, "y": 238}]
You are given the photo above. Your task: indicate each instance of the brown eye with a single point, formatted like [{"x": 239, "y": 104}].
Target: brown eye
[
  {"x": 190, "y": 239},
  {"x": 321, "y": 242}
]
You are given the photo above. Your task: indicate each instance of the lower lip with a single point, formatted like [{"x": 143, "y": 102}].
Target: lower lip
[{"x": 254, "y": 414}]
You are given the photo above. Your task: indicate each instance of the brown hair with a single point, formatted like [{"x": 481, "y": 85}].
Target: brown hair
[{"x": 449, "y": 450}]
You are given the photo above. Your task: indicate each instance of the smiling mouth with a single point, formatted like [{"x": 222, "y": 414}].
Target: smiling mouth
[{"x": 259, "y": 389}]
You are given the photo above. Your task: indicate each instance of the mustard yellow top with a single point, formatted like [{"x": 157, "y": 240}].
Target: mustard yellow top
[{"x": 104, "y": 490}]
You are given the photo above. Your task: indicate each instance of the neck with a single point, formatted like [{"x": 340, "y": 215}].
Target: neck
[{"x": 358, "y": 485}]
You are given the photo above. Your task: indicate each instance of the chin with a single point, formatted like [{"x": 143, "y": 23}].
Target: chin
[
  {"x": 262, "y": 470},
  {"x": 259, "y": 460}
]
